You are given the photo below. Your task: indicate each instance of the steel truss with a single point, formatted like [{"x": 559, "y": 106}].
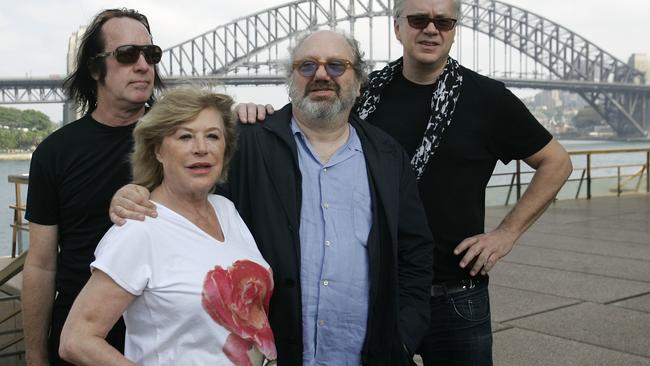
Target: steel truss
[
  {"x": 245, "y": 51},
  {"x": 27, "y": 91},
  {"x": 565, "y": 54}
]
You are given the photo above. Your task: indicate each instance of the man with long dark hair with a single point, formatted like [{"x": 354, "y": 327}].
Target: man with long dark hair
[{"x": 75, "y": 171}]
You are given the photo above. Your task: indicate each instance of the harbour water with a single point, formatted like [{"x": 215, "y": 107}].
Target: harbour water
[{"x": 494, "y": 196}]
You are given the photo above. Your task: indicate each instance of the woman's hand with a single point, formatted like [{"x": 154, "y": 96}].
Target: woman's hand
[{"x": 131, "y": 202}]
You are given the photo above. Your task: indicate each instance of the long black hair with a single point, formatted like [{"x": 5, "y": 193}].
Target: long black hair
[{"x": 80, "y": 85}]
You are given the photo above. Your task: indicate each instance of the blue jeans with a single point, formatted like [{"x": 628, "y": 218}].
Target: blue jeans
[{"x": 460, "y": 332}]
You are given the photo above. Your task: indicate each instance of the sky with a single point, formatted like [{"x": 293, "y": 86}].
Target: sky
[{"x": 34, "y": 33}]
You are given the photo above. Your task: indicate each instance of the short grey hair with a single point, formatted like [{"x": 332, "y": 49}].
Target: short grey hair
[
  {"x": 398, "y": 7},
  {"x": 359, "y": 64}
]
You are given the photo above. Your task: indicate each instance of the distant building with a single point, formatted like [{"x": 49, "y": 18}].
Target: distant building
[
  {"x": 70, "y": 112},
  {"x": 641, "y": 62},
  {"x": 548, "y": 99}
]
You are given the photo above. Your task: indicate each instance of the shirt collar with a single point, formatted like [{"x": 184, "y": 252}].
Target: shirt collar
[{"x": 353, "y": 142}]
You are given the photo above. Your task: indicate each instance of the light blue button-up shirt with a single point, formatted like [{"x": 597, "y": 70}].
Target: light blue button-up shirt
[{"x": 335, "y": 220}]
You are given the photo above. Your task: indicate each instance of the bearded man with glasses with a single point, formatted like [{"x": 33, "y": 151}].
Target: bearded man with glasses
[
  {"x": 75, "y": 171},
  {"x": 455, "y": 124},
  {"x": 332, "y": 203}
]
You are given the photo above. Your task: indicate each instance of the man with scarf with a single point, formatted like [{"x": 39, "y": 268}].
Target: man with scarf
[{"x": 455, "y": 124}]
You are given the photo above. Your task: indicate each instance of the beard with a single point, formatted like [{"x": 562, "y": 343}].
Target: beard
[{"x": 322, "y": 110}]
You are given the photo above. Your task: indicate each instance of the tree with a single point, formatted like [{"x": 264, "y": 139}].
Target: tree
[
  {"x": 23, "y": 129},
  {"x": 586, "y": 118}
]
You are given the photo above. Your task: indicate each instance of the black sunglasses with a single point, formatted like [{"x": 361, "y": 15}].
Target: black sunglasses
[
  {"x": 422, "y": 21},
  {"x": 333, "y": 68},
  {"x": 129, "y": 54}
]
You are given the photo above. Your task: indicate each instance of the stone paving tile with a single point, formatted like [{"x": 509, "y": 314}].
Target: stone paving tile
[
  {"x": 631, "y": 269},
  {"x": 594, "y": 232},
  {"x": 622, "y": 223},
  {"x": 641, "y": 303},
  {"x": 637, "y": 217},
  {"x": 585, "y": 245},
  {"x": 497, "y": 327},
  {"x": 509, "y": 303},
  {"x": 635, "y": 205},
  {"x": 607, "y": 326},
  {"x": 564, "y": 283},
  {"x": 517, "y": 347}
]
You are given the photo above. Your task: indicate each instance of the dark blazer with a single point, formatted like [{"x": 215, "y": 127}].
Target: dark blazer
[{"x": 265, "y": 185}]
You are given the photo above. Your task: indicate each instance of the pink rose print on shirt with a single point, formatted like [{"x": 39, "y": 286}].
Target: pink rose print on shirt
[{"x": 238, "y": 299}]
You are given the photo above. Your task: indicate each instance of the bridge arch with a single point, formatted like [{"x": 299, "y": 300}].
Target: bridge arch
[{"x": 562, "y": 52}]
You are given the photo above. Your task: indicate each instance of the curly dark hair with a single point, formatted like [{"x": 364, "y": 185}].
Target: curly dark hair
[{"x": 80, "y": 85}]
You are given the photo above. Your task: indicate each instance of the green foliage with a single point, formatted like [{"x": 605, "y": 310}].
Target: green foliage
[
  {"x": 23, "y": 129},
  {"x": 586, "y": 118}
]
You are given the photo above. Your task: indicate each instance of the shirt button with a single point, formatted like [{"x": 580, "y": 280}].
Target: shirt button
[
  {"x": 326, "y": 282},
  {"x": 325, "y": 170},
  {"x": 321, "y": 322},
  {"x": 327, "y": 243},
  {"x": 326, "y": 205}
]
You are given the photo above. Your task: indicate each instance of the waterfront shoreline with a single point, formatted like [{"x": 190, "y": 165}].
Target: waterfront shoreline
[{"x": 16, "y": 156}]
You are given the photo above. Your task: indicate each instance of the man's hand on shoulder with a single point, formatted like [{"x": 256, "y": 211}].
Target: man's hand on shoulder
[
  {"x": 249, "y": 113},
  {"x": 484, "y": 250},
  {"x": 131, "y": 202}
]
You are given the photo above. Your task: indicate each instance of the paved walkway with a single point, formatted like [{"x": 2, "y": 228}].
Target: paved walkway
[{"x": 575, "y": 290}]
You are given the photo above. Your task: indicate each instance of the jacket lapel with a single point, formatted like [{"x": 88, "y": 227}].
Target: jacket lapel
[
  {"x": 285, "y": 176},
  {"x": 382, "y": 172}
]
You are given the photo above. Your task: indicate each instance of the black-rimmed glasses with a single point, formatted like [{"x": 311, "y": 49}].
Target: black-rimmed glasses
[
  {"x": 129, "y": 54},
  {"x": 333, "y": 67},
  {"x": 422, "y": 21}
]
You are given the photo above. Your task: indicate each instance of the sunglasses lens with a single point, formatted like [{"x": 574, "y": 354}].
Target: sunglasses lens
[
  {"x": 129, "y": 54},
  {"x": 418, "y": 22},
  {"x": 307, "y": 68},
  {"x": 421, "y": 22},
  {"x": 335, "y": 68},
  {"x": 443, "y": 24},
  {"x": 152, "y": 54}
]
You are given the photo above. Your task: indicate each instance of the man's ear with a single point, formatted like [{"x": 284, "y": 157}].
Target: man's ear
[
  {"x": 94, "y": 70},
  {"x": 396, "y": 30}
]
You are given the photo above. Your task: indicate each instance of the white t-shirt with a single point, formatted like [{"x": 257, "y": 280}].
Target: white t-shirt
[{"x": 187, "y": 284}]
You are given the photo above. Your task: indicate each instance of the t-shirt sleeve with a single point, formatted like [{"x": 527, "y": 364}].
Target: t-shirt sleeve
[
  {"x": 517, "y": 133},
  {"x": 42, "y": 195},
  {"x": 125, "y": 255}
]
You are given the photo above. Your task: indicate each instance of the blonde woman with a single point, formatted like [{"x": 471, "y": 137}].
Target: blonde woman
[{"x": 192, "y": 285}]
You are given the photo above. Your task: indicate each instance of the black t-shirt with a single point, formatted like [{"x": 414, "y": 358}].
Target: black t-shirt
[
  {"x": 74, "y": 173},
  {"x": 489, "y": 124}
]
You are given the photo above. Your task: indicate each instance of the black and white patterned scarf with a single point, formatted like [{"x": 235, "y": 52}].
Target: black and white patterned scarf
[{"x": 443, "y": 104}]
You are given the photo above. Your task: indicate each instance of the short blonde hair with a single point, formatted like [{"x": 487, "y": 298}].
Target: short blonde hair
[{"x": 177, "y": 106}]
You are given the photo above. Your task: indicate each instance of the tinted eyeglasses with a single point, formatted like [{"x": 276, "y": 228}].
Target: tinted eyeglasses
[
  {"x": 422, "y": 21},
  {"x": 333, "y": 68},
  {"x": 129, "y": 54}
]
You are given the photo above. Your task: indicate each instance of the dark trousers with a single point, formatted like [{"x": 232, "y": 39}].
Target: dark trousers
[
  {"x": 460, "y": 332},
  {"x": 60, "y": 310}
]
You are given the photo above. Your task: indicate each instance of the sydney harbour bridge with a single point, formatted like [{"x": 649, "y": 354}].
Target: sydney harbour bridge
[{"x": 506, "y": 42}]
